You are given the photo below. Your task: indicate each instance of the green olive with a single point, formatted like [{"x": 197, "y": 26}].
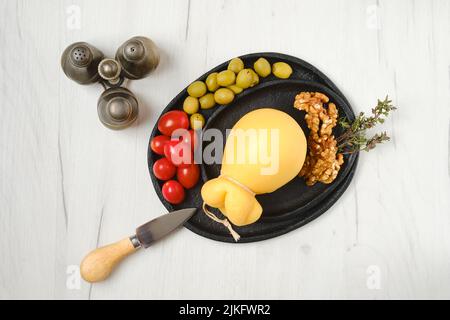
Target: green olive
[
  {"x": 211, "y": 82},
  {"x": 281, "y": 70},
  {"x": 207, "y": 101},
  {"x": 224, "y": 96},
  {"x": 244, "y": 79},
  {"x": 197, "y": 121},
  {"x": 226, "y": 78},
  {"x": 190, "y": 105},
  {"x": 262, "y": 67},
  {"x": 235, "y": 89},
  {"x": 197, "y": 89},
  {"x": 255, "y": 78},
  {"x": 236, "y": 65}
]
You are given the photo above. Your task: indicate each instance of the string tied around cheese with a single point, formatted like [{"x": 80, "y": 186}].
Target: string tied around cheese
[
  {"x": 225, "y": 222},
  {"x": 234, "y": 181}
]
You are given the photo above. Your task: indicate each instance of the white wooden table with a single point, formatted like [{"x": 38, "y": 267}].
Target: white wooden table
[{"x": 68, "y": 184}]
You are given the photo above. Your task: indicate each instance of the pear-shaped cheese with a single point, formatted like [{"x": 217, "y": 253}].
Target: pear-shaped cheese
[{"x": 265, "y": 150}]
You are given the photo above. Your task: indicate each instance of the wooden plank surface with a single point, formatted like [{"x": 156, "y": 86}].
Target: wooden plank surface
[{"x": 68, "y": 184}]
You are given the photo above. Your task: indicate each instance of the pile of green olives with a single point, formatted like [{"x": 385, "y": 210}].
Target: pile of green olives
[{"x": 221, "y": 87}]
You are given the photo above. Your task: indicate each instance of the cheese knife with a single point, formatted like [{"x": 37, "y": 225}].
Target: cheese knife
[{"x": 99, "y": 263}]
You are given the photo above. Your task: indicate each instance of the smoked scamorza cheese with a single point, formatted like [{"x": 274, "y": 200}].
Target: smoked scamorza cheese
[{"x": 265, "y": 150}]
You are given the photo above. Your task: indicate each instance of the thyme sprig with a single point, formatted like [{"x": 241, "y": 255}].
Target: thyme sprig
[{"x": 355, "y": 137}]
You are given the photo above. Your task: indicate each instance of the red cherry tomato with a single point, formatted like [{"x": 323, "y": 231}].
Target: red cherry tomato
[
  {"x": 190, "y": 138},
  {"x": 171, "y": 121},
  {"x": 188, "y": 176},
  {"x": 164, "y": 169},
  {"x": 157, "y": 144},
  {"x": 179, "y": 153},
  {"x": 173, "y": 192}
]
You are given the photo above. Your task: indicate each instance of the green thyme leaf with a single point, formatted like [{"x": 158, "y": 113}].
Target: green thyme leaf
[{"x": 355, "y": 138}]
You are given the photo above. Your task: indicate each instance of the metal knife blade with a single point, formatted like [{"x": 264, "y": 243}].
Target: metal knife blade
[{"x": 157, "y": 228}]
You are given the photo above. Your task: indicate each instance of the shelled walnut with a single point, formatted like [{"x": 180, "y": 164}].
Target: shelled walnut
[{"x": 323, "y": 162}]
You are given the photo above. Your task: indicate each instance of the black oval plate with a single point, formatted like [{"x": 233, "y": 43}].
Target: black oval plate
[{"x": 293, "y": 205}]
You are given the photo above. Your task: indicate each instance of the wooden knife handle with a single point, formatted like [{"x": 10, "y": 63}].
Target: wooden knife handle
[{"x": 99, "y": 263}]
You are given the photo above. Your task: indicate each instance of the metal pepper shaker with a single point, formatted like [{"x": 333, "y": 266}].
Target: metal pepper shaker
[
  {"x": 80, "y": 61},
  {"x": 138, "y": 57}
]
